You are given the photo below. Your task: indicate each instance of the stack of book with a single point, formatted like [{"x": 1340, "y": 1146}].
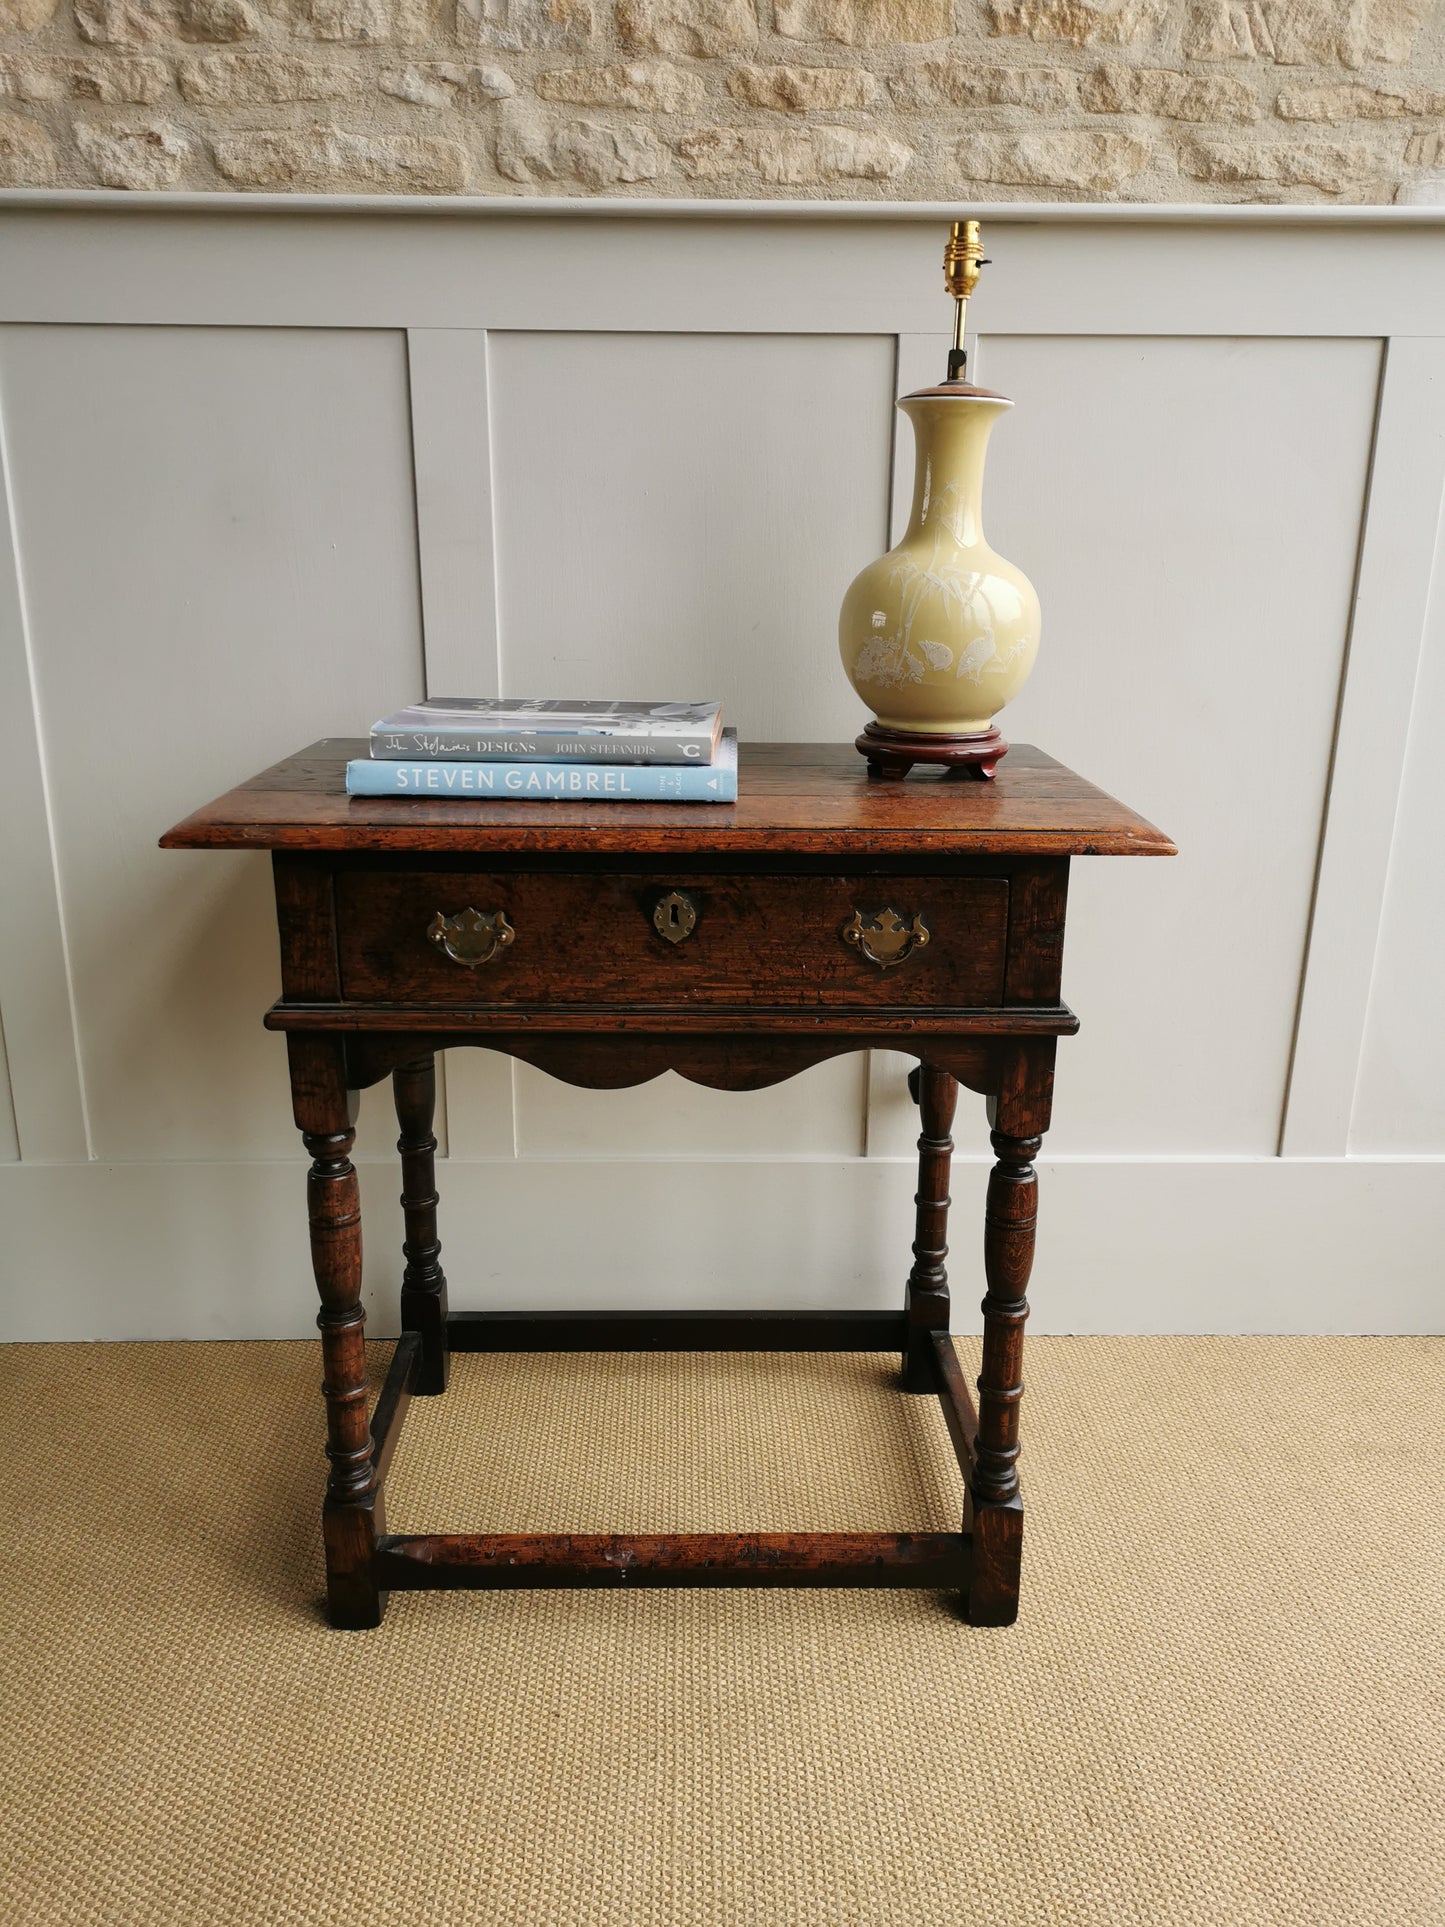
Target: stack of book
[{"x": 574, "y": 752}]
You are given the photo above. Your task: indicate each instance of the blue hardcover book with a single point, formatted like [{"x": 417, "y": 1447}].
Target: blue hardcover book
[{"x": 560, "y": 782}]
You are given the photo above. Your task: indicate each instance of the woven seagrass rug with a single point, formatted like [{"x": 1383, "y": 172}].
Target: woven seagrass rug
[{"x": 1224, "y": 1702}]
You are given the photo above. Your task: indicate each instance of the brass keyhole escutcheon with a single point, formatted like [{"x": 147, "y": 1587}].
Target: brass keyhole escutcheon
[
  {"x": 674, "y": 917},
  {"x": 886, "y": 938},
  {"x": 471, "y": 937}
]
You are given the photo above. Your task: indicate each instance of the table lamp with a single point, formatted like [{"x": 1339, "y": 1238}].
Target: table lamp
[{"x": 937, "y": 635}]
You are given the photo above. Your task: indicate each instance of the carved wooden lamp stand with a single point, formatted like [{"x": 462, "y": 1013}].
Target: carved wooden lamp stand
[{"x": 737, "y": 944}]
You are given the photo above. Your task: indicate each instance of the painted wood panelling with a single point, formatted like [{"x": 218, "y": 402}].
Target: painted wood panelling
[
  {"x": 1399, "y": 1102},
  {"x": 1398, "y": 556},
  {"x": 1190, "y": 512},
  {"x": 452, "y": 465},
  {"x": 9, "y": 1136},
  {"x": 218, "y": 545},
  {"x": 425, "y": 464},
  {"x": 215, "y": 1250},
  {"x": 452, "y": 458},
  {"x": 518, "y": 265},
  {"x": 43, "y": 1075},
  {"x": 678, "y": 514},
  {"x": 680, "y": 511},
  {"x": 819, "y": 1114}
]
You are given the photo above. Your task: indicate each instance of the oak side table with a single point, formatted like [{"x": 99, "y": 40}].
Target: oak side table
[{"x": 737, "y": 944}]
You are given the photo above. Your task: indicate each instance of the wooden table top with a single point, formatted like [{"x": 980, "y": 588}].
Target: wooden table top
[{"x": 804, "y": 799}]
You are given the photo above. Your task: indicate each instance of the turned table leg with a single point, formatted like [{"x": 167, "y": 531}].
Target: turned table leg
[
  {"x": 925, "y": 1302},
  {"x": 351, "y": 1515},
  {"x": 424, "y": 1283},
  {"x": 1009, "y": 1222}
]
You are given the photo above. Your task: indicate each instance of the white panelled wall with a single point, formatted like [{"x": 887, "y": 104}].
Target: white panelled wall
[{"x": 271, "y": 469}]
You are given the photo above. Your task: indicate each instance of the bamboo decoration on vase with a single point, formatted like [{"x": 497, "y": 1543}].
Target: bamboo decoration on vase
[{"x": 939, "y": 633}]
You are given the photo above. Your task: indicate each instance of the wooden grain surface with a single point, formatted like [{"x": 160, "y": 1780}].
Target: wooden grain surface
[
  {"x": 502, "y": 1561},
  {"x": 588, "y": 939},
  {"x": 793, "y": 799}
]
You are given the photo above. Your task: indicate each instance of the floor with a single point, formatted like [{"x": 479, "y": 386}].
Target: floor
[{"x": 1224, "y": 1701}]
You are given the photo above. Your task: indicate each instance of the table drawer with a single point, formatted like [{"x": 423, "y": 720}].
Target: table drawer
[{"x": 479, "y": 938}]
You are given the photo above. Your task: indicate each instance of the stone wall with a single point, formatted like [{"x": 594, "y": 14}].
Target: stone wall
[{"x": 1150, "y": 100}]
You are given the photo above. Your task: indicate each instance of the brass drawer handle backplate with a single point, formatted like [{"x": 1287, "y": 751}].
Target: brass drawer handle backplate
[
  {"x": 471, "y": 937},
  {"x": 884, "y": 937}
]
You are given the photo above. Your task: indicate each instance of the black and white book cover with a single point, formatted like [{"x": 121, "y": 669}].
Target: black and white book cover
[{"x": 512, "y": 730}]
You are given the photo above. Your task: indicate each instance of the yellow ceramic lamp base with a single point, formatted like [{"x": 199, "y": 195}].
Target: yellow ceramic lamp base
[{"x": 937, "y": 635}]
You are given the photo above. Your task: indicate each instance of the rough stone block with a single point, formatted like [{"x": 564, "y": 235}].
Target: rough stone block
[
  {"x": 609, "y": 156},
  {"x": 444, "y": 83},
  {"x": 26, "y": 157},
  {"x": 115, "y": 80},
  {"x": 135, "y": 157},
  {"x": 800, "y": 90},
  {"x": 930, "y": 85},
  {"x": 1343, "y": 102},
  {"x": 1167, "y": 95},
  {"x": 24, "y": 16},
  {"x": 354, "y": 23},
  {"x": 1331, "y": 166},
  {"x": 793, "y": 157},
  {"x": 522, "y": 149},
  {"x": 652, "y": 86},
  {"x": 216, "y": 20},
  {"x": 26, "y": 77},
  {"x": 120, "y": 23},
  {"x": 1093, "y": 163},
  {"x": 1344, "y": 33},
  {"x": 525, "y": 23},
  {"x": 865, "y": 23},
  {"x": 130, "y": 23},
  {"x": 327, "y": 157},
  {"x": 1083, "y": 23},
  {"x": 254, "y": 79},
  {"x": 598, "y": 157},
  {"x": 699, "y": 27}
]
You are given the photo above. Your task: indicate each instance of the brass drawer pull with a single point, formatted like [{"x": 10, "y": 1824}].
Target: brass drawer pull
[
  {"x": 471, "y": 937},
  {"x": 674, "y": 917},
  {"x": 884, "y": 938}
]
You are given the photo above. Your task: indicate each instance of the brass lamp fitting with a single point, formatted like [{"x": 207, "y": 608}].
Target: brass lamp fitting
[{"x": 963, "y": 256}]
